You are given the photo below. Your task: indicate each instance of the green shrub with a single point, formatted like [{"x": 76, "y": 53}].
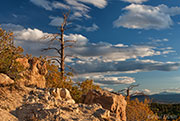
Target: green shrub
[{"x": 8, "y": 54}]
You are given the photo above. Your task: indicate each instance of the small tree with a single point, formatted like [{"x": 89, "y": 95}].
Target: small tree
[
  {"x": 60, "y": 51},
  {"x": 8, "y": 54},
  {"x": 127, "y": 90},
  {"x": 140, "y": 111}
]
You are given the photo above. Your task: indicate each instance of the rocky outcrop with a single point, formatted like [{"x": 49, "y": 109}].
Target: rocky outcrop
[
  {"x": 34, "y": 74},
  {"x": 42, "y": 104},
  {"x": 5, "y": 80},
  {"x": 116, "y": 104}
]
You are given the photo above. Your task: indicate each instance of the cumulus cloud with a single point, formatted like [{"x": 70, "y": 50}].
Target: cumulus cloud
[
  {"x": 94, "y": 27},
  {"x": 80, "y": 39},
  {"x": 147, "y": 17},
  {"x": 30, "y": 34},
  {"x": 55, "y": 21},
  {"x": 42, "y": 3},
  {"x": 108, "y": 52},
  {"x": 22, "y": 33},
  {"x": 135, "y": 1}
]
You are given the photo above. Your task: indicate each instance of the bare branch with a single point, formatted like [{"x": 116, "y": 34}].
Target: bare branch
[
  {"x": 52, "y": 56},
  {"x": 70, "y": 56},
  {"x": 119, "y": 91},
  {"x": 50, "y": 48},
  {"x": 70, "y": 41},
  {"x": 132, "y": 86},
  {"x": 70, "y": 68},
  {"x": 56, "y": 60},
  {"x": 70, "y": 46}
]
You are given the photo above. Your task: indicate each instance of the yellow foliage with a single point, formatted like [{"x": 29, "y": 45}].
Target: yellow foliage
[
  {"x": 139, "y": 111},
  {"x": 8, "y": 54},
  {"x": 77, "y": 89}
]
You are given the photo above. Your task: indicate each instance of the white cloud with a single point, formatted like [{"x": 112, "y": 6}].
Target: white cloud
[
  {"x": 170, "y": 90},
  {"x": 108, "y": 89},
  {"x": 99, "y": 66},
  {"x": 135, "y": 1},
  {"x": 147, "y": 91},
  {"x": 107, "y": 79},
  {"x": 42, "y": 3},
  {"x": 58, "y": 5},
  {"x": 30, "y": 34},
  {"x": 12, "y": 27},
  {"x": 94, "y": 27},
  {"x": 80, "y": 39},
  {"x": 79, "y": 8},
  {"x": 108, "y": 52},
  {"x": 96, "y": 3},
  {"x": 147, "y": 17},
  {"x": 56, "y": 21}
]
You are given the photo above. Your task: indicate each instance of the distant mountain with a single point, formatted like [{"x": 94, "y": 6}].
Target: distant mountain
[{"x": 163, "y": 97}]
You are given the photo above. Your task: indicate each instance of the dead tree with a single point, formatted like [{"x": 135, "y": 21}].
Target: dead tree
[
  {"x": 63, "y": 44},
  {"x": 128, "y": 91}
]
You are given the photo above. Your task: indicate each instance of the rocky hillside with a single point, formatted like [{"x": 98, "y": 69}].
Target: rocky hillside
[
  {"x": 29, "y": 100},
  {"x": 34, "y": 104}
]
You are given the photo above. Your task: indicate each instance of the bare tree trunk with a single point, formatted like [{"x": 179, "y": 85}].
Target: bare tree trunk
[
  {"x": 62, "y": 52},
  {"x": 60, "y": 38}
]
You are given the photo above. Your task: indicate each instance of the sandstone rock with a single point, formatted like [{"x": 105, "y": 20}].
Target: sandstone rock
[
  {"x": 6, "y": 116},
  {"x": 34, "y": 74},
  {"x": 24, "y": 62},
  {"x": 113, "y": 102},
  {"x": 37, "y": 104},
  {"x": 55, "y": 92},
  {"x": 5, "y": 80},
  {"x": 102, "y": 113},
  {"x": 64, "y": 93}
]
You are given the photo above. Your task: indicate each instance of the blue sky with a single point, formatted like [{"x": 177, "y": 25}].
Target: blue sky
[{"x": 119, "y": 42}]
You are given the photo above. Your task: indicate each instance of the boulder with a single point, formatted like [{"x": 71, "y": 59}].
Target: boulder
[
  {"x": 102, "y": 114},
  {"x": 110, "y": 101},
  {"x": 5, "y": 80},
  {"x": 62, "y": 94},
  {"x": 34, "y": 74}
]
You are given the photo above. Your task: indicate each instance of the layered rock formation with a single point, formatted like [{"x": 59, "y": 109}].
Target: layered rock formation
[
  {"x": 116, "y": 104},
  {"x": 34, "y": 74}
]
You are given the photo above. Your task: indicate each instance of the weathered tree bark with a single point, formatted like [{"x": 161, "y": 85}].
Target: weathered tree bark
[{"x": 62, "y": 52}]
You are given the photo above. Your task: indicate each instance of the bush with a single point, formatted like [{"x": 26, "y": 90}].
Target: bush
[
  {"x": 140, "y": 111},
  {"x": 8, "y": 54},
  {"x": 77, "y": 89}
]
